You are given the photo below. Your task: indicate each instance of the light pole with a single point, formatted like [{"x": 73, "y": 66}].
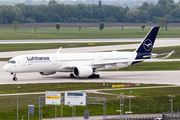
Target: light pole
[
  {"x": 120, "y": 104},
  {"x": 171, "y": 104},
  {"x": 130, "y": 101},
  {"x": 17, "y": 100},
  {"x": 127, "y": 112}
]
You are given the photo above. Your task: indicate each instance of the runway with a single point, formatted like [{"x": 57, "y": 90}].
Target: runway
[
  {"x": 146, "y": 77},
  {"x": 162, "y": 42}
]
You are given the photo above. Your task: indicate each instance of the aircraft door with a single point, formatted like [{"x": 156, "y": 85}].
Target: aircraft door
[
  {"x": 24, "y": 62},
  {"x": 55, "y": 61},
  {"x": 99, "y": 58}
]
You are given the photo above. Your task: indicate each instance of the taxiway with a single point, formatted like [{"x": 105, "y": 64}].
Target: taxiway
[{"x": 147, "y": 77}]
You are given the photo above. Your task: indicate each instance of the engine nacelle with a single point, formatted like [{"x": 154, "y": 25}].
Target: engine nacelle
[
  {"x": 47, "y": 73},
  {"x": 82, "y": 71}
]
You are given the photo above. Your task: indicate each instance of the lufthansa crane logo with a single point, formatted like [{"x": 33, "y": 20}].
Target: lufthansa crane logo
[{"x": 147, "y": 45}]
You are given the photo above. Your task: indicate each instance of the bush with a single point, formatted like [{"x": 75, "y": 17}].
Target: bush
[
  {"x": 111, "y": 19},
  {"x": 101, "y": 26},
  {"x": 28, "y": 20},
  {"x": 89, "y": 20},
  {"x": 175, "y": 20},
  {"x": 72, "y": 20},
  {"x": 33, "y": 21},
  {"x": 143, "y": 26},
  {"x": 58, "y": 25}
]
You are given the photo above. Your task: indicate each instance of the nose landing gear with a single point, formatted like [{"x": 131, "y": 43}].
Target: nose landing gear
[{"x": 14, "y": 78}]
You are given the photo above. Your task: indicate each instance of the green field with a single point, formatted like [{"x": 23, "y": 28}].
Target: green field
[
  {"x": 41, "y": 46},
  {"x": 85, "y": 33},
  {"x": 27, "y": 88},
  {"x": 146, "y": 100},
  {"x": 153, "y": 66}
]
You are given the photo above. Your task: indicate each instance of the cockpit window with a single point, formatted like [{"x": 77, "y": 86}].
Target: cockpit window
[{"x": 12, "y": 62}]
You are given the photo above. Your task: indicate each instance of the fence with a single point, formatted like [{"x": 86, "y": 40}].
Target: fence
[{"x": 173, "y": 116}]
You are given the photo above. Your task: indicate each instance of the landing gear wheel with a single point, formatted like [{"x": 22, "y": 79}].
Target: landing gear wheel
[
  {"x": 97, "y": 76},
  {"x": 94, "y": 76},
  {"x": 72, "y": 75},
  {"x": 15, "y": 78}
]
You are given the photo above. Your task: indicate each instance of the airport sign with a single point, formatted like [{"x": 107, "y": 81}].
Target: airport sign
[
  {"x": 53, "y": 98},
  {"x": 75, "y": 98}
]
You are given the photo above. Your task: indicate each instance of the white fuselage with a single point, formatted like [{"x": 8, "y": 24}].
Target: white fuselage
[{"x": 65, "y": 62}]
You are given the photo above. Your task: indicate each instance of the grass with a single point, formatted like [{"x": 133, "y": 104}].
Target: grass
[
  {"x": 40, "y": 46},
  {"x": 175, "y": 55},
  {"x": 5, "y": 59},
  {"x": 27, "y": 88},
  {"x": 86, "y": 33},
  {"x": 148, "y": 92},
  {"x": 153, "y": 66},
  {"x": 153, "y": 100}
]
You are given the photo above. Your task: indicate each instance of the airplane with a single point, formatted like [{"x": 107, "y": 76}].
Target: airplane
[{"x": 84, "y": 65}]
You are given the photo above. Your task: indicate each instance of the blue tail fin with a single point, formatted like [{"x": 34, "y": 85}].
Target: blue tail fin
[{"x": 147, "y": 44}]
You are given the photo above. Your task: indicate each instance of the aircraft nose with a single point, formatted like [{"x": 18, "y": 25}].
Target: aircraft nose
[{"x": 5, "y": 68}]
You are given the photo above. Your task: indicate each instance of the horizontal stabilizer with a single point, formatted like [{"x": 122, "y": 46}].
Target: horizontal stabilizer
[{"x": 155, "y": 55}]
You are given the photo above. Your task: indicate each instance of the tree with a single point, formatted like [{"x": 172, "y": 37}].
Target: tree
[
  {"x": 56, "y": 17},
  {"x": 171, "y": 1},
  {"x": 1, "y": 18},
  {"x": 52, "y": 2},
  {"x": 101, "y": 26},
  {"x": 126, "y": 9},
  {"x": 100, "y": 4},
  {"x": 163, "y": 2},
  {"x": 72, "y": 20},
  {"x": 144, "y": 6},
  {"x": 111, "y": 19},
  {"x": 15, "y": 25},
  {"x": 175, "y": 13},
  {"x": 162, "y": 22},
  {"x": 143, "y": 16},
  {"x": 168, "y": 19},
  {"x": 132, "y": 15},
  {"x": 58, "y": 25},
  {"x": 143, "y": 26}
]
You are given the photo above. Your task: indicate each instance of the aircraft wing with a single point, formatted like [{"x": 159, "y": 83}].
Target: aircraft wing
[
  {"x": 116, "y": 62},
  {"x": 69, "y": 66}
]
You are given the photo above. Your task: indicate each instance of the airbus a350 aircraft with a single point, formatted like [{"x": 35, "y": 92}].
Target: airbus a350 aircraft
[{"x": 82, "y": 64}]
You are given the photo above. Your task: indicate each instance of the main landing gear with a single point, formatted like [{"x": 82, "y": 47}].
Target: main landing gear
[
  {"x": 94, "y": 76},
  {"x": 90, "y": 77},
  {"x": 14, "y": 77},
  {"x": 72, "y": 75}
]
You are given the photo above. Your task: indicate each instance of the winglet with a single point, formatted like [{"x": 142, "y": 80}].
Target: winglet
[
  {"x": 169, "y": 54},
  {"x": 58, "y": 51}
]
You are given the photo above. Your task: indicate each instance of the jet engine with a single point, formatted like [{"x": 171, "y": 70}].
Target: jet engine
[
  {"x": 47, "y": 73},
  {"x": 82, "y": 71}
]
